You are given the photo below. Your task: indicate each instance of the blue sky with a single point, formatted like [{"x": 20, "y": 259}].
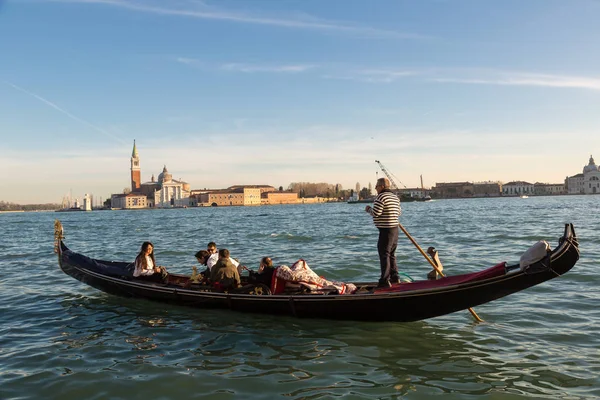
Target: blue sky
[{"x": 273, "y": 92}]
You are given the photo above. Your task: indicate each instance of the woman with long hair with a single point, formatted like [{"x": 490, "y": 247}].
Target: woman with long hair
[{"x": 145, "y": 264}]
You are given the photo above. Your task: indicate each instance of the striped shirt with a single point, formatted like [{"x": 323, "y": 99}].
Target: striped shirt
[{"x": 386, "y": 210}]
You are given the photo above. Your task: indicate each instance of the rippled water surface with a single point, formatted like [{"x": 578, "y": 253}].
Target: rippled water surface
[{"x": 61, "y": 339}]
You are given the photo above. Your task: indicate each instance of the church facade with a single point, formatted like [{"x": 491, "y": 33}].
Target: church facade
[
  {"x": 165, "y": 192},
  {"x": 588, "y": 182}
]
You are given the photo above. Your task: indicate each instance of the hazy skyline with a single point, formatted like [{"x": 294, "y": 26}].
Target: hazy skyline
[{"x": 274, "y": 92}]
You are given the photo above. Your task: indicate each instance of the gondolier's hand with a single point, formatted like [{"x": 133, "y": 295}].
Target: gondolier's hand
[{"x": 368, "y": 209}]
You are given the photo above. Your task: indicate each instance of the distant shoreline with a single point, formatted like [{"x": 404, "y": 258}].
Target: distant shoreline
[{"x": 325, "y": 202}]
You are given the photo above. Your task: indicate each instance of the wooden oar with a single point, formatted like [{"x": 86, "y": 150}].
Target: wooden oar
[{"x": 433, "y": 265}]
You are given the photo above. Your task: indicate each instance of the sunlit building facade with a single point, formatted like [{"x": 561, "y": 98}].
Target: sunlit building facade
[{"x": 588, "y": 182}]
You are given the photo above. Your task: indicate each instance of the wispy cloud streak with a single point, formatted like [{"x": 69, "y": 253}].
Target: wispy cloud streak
[
  {"x": 305, "y": 22},
  {"x": 525, "y": 79},
  {"x": 469, "y": 76},
  {"x": 246, "y": 67},
  {"x": 265, "y": 68},
  {"x": 65, "y": 112}
]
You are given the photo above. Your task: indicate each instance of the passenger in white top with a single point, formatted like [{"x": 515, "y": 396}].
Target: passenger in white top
[
  {"x": 145, "y": 264},
  {"x": 214, "y": 256}
]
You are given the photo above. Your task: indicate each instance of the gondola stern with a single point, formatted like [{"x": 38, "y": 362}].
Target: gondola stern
[{"x": 566, "y": 254}]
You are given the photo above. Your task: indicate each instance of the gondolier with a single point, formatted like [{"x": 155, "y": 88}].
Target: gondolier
[{"x": 385, "y": 212}]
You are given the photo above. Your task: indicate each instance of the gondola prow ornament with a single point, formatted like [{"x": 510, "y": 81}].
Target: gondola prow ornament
[{"x": 58, "y": 235}]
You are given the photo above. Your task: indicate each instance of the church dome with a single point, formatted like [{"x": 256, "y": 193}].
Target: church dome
[
  {"x": 165, "y": 176},
  {"x": 591, "y": 167}
]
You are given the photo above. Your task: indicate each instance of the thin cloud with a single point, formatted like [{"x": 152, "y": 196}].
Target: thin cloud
[
  {"x": 65, "y": 112},
  {"x": 247, "y": 68},
  {"x": 385, "y": 76},
  {"x": 373, "y": 75},
  {"x": 528, "y": 79},
  {"x": 469, "y": 76},
  {"x": 211, "y": 13},
  {"x": 189, "y": 61},
  {"x": 266, "y": 68}
]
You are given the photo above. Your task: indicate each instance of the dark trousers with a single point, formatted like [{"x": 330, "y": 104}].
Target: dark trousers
[{"x": 386, "y": 246}]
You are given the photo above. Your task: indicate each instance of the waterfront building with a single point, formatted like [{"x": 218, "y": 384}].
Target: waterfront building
[
  {"x": 315, "y": 200},
  {"x": 270, "y": 198},
  {"x": 448, "y": 190},
  {"x": 263, "y": 188},
  {"x": 415, "y": 192},
  {"x": 87, "y": 203},
  {"x": 196, "y": 196},
  {"x": 128, "y": 200},
  {"x": 588, "y": 182},
  {"x": 487, "y": 189},
  {"x": 517, "y": 188},
  {"x": 546, "y": 189},
  {"x": 240, "y": 196}
]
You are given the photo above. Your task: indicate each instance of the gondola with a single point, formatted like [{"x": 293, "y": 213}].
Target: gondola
[{"x": 403, "y": 302}]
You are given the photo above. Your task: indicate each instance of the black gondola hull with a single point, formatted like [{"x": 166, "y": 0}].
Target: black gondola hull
[{"x": 396, "y": 304}]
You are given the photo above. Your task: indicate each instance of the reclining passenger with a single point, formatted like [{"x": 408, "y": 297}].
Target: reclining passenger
[
  {"x": 224, "y": 274},
  {"x": 300, "y": 274}
]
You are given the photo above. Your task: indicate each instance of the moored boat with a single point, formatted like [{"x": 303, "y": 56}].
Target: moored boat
[
  {"x": 361, "y": 201},
  {"x": 411, "y": 301}
]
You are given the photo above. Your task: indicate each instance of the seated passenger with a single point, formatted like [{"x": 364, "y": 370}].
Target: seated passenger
[
  {"x": 265, "y": 272},
  {"x": 265, "y": 262},
  {"x": 211, "y": 248},
  {"x": 202, "y": 257},
  {"x": 145, "y": 265},
  {"x": 224, "y": 274}
]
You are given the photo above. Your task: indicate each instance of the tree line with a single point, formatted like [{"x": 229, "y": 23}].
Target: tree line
[
  {"x": 6, "y": 206},
  {"x": 326, "y": 190}
]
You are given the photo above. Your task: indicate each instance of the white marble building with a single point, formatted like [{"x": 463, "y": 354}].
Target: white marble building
[
  {"x": 172, "y": 193},
  {"x": 588, "y": 182},
  {"x": 517, "y": 188}
]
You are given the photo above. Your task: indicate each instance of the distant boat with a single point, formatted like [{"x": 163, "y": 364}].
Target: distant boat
[
  {"x": 360, "y": 201},
  {"x": 404, "y": 198},
  {"x": 524, "y": 196},
  {"x": 70, "y": 209}
]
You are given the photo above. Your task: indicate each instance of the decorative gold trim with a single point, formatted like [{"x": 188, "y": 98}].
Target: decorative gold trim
[
  {"x": 195, "y": 277},
  {"x": 58, "y": 235}
]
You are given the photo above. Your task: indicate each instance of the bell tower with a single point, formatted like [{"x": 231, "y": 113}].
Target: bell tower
[{"x": 136, "y": 172}]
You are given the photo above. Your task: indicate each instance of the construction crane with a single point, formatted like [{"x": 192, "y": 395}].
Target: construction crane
[{"x": 390, "y": 176}]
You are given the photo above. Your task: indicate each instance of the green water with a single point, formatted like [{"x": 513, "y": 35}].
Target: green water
[{"x": 60, "y": 339}]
